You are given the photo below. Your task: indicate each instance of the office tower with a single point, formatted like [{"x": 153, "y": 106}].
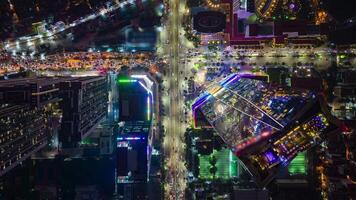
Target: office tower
[
  {"x": 134, "y": 140},
  {"x": 35, "y": 92},
  {"x": 84, "y": 104},
  {"x": 28, "y": 117}
]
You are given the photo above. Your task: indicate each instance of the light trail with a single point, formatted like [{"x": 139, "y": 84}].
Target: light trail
[{"x": 13, "y": 46}]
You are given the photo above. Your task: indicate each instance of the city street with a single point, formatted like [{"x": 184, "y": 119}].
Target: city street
[
  {"x": 174, "y": 147},
  {"x": 177, "y": 99}
]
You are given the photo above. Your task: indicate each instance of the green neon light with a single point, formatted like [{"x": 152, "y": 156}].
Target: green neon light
[
  {"x": 226, "y": 165},
  {"x": 298, "y": 165},
  {"x": 230, "y": 159},
  {"x": 127, "y": 80}
]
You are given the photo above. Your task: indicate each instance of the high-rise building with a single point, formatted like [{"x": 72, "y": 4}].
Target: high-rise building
[
  {"x": 79, "y": 174},
  {"x": 84, "y": 104},
  {"x": 135, "y": 100},
  {"x": 133, "y": 160},
  {"x": 30, "y": 91},
  {"x": 136, "y": 103},
  {"x": 134, "y": 139},
  {"x": 28, "y": 116},
  {"x": 265, "y": 126},
  {"x": 23, "y": 131}
]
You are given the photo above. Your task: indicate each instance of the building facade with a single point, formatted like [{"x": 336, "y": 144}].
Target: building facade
[
  {"x": 28, "y": 117},
  {"x": 84, "y": 104}
]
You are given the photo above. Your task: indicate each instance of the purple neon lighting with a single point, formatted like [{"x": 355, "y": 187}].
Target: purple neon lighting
[
  {"x": 148, "y": 108},
  {"x": 129, "y": 138},
  {"x": 201, "y": 101},
  {"x": 271, "y": 157},
  {"x": 229, "y": 80},
  {"x": 197, "y": 105}
]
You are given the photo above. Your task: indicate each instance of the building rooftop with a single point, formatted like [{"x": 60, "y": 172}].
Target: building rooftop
[
  {"x": 265, "y": 125},
  {"x": 244, "y": 111},
  {"x": 298, "y": 165},
  {"x": 226, "y": 165}
]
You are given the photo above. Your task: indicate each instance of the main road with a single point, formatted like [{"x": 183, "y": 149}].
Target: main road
[{"x": 175, "y": 180}]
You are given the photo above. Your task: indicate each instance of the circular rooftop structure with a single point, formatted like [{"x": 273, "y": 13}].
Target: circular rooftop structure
[{"x": 209, "y": 22}]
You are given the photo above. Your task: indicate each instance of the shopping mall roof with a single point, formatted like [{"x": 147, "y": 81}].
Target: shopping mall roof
[{"x": 244, "y": 111}]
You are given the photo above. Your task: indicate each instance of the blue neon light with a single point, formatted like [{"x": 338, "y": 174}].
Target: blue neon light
[
  {"x": 203, "y": 98},
  {"x": 230, "y": 80}
]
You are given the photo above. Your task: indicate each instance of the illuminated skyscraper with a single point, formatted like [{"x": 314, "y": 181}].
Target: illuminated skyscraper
[
  {"x": 136, "y": 115},
  {"x": 28, "y": 116},
  {"x": 84, "y": 104},
  {"x": 264, "y": 125},
  {"x": 135, "y": 99}
]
